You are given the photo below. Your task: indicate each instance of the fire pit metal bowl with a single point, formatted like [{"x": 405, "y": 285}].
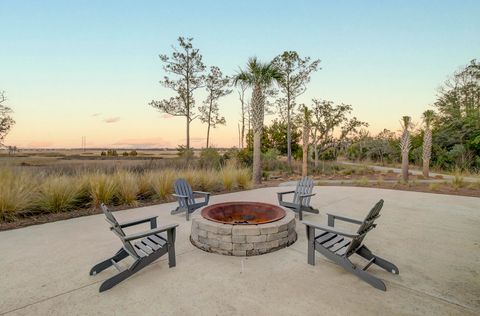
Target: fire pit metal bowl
[
  {"x": 243, "y": 228},
  {"x": 243, "y": 213}
]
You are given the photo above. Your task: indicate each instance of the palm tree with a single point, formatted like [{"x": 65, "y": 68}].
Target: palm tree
[
  {"x": 258, "y": 76},
  {"x": 428, "y": 117},
  {"x": 405, "y": 145}
]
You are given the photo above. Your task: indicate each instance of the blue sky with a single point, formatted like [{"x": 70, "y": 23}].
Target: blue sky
[{"x": 73, "y": 68}]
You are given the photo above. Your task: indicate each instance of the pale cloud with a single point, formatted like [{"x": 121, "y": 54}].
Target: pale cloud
[
  {"x": 197, "y": 139},
  {"x": 39, "y": 144},
  {"x": 111, "y": 119},
  {"x": 153, "y": 142},
  {"x": 96, "y": 114},
  {"x": 166, "y": 116}
]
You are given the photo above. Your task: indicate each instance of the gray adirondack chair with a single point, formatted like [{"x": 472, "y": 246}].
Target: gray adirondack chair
[
  {"x": 338, "y": 245},
  {"x": 186, "y": 198},
  {"x": 301, "y": 197},
  {"x": 144, "y": 247}
]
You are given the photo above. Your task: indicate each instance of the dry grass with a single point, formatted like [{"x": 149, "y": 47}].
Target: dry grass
[
  {"x": 458, "y": 181},
  {"x": 128, "y": 187},
  {"x": 243, "y": 178},
  {"x": 101, "y": 187},
  {"x": 17, "y": 193},
  {"x": 162, "y": 182},
  {"x": 26, "y": 190},
  {"x": 228, "y": 177},
  {"x": 58, "y": 193}
]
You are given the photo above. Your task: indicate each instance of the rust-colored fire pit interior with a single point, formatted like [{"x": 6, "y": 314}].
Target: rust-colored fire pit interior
[{"x": 243, "y": 213}]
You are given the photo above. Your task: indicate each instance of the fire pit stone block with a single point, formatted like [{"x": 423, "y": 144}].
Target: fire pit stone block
[{"x": 243, "y": 240}]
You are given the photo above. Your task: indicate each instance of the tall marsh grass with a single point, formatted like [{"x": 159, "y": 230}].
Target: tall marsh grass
[{"x": 27, "y": 191}]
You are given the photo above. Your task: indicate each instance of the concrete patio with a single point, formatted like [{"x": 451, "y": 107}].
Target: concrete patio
[{"x": 433, "y": 239}]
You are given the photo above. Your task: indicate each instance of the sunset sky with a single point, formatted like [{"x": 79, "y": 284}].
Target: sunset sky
[{"x": 89, "y": 68}]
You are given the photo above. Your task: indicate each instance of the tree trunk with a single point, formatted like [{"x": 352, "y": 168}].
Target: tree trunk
[
  {"x": 405, "y": 148},
  {"x": 187, "y": 153},
  {"x": 209, "y": 121},
  {"x": 427, "y": 152},
  {"x": 315, "y": 150},
  {"x": 306, "y": 132},
  {"x": 258, "y": 103},
  {"x": 289, "y": 133},
  {"x": 208, "y": 133},
  {"x": 405, "y": 166},
  {"x": 242, "y": 100},
  {"x": 257, "y": 163}
]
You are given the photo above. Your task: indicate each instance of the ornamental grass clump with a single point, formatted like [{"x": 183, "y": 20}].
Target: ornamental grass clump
[
  {"x": 58, "y": 193},
  {"x": 127, "y": 187},
  {"x": 228, "y": 177},
  {"x": 17, "y": 192},
  {"x": 162, "y": 182},
  {"x": 243, "y": 178},
  {"x": 206, "y": 180},
  {"x": 101, "y": 187}
]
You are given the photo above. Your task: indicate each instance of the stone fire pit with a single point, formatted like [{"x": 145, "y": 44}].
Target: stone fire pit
[{"x": 243, "y": 228}]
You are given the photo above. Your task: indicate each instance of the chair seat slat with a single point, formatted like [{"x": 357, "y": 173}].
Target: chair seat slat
[
  {"x": 332, "y": 241},
  {"x": 339, "y": 245},
  {"x": 325, "y": 238}
]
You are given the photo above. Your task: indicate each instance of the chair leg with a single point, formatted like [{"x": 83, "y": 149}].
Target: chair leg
[
  {"x": 370, "y": 279},
  {"x": 171, "y": 248},
  {"x": 99, "y": 267},
  {"x": 109, "y": 283},
  {"x": 387, "y": 265},
  {"x": 311, "y": 245},
  {"x": 138, "y": 265},
  {"x": 300, "y": 213},
  {"x": 347, "y": 265},
  {"x": 177, "y": 210},
  {"x": 187, "y": 214}
]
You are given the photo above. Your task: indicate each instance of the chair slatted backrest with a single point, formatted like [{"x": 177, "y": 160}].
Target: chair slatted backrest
[
  {"x": 115, "y": 227},
  {"x": 304, "y": 186},
  {"x": 365, "y": 227},
  {"x": 182, "y": 187}
]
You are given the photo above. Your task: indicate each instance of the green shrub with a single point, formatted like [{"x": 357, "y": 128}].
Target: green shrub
[{"x": 210, "y": 158}]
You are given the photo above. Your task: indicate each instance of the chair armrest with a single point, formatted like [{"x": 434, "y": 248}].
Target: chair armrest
[
  {"x": 333, "y": 217},
  {"x": 180, "y": 196},
  {"x": 280, "y": 195},
  {"x": 330, "y": 229},
  {"x": 151, "y": 219},
  {"x": 201, "y": 192},
  {"x": 306, "y": 195},
  {"x": 286, "y": 192},
  {"x": 150, "y": 232}
]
